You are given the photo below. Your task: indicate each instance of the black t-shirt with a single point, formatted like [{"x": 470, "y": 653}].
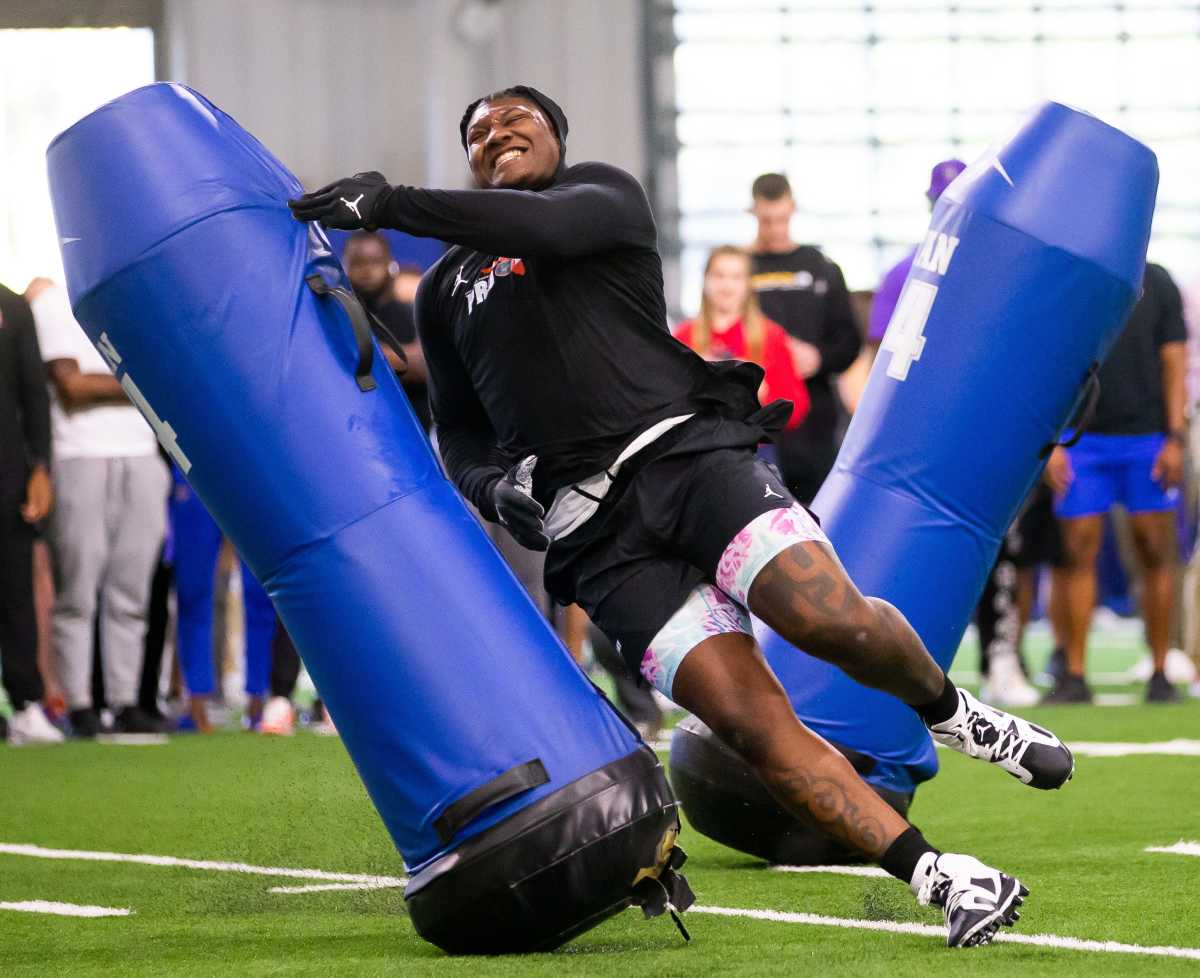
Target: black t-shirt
[
  {"x": 805, "y": 293},
  {"x": 397, "y": 318},
  {"x": 24, "y": 400},
  {"x": 1131, "y": 391},
  {"x": 545, "y": 331}
]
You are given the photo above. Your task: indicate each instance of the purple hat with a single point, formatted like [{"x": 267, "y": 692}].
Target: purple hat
[{"x": 942, "y": 176}]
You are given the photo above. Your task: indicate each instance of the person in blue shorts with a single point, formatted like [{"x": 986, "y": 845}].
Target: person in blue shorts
[{"x": 1132, "y": 454}]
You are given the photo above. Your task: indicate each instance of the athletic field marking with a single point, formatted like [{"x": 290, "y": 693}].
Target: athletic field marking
[
  {"x": 1180, "y": 848},
  {"x": 1105, "y": 748},
  {"x": 928, "y": 930},
  {"x": 39, "y": 852},
  {"x": 133, "y": 739},
  {"x": 325, "y": 887},
  {"x": 1179, "y": 747},
  {"x": 65, "y": 909},
  {"x": 1115, "y": 699},
  {"x": 841, "y": 870}
]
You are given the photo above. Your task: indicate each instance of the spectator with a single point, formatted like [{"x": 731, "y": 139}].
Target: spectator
[
  {"x": 888, "y": 292},
  {"x": 404, "y": 285},
  {"x": 1007, "y": 602},
  {"x": 1131, "y": 454},
  {"x": 197, "y": 542},
  {"x": 731, "y": 326},
  {"x": 279, "y": 716},
  {"x": 107, "y": 528},
  {"x": 803, "y": 291},
  {"x": 25, "y": 499},
  {"x": 1191, "y": 588},
  {"x": 371, "y": 270}
]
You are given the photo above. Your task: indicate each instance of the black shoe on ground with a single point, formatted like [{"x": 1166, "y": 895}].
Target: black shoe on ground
[
  {"x": 85, "y": 723},
  {"x": 133, "y": 719},
  {"x": 1159, "y": 690},
  {"x": 1068, "y": 689},
  {"x": 1056, "y": 665}
]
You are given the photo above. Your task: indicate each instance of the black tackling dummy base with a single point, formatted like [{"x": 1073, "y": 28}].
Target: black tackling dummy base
[
  {"x": 558, "y": 867},
  {"x": 724, "y": 800}
]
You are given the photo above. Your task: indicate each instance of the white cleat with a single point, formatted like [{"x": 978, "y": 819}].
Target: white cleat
[
  {"x": 1006, "y": 683},
  {"x": 30, "y": 726},
  {"x": 278, "y": 718},
  {"x": 976, "y": 899},
  {"x": 1028, "y": 752}
]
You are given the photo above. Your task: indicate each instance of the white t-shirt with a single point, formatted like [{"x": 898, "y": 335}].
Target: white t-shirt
[{"x": 98, "y": 430}]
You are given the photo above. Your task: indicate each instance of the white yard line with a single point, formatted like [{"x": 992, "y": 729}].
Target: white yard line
[
  {"x": 1179, "y": 747},
  {"x": 1180, "y": 848},
  {"x": 928, "y": 930},
  {"x": 326, "y": 887},
  {"x": 133, "y": 740},
  {"x": 840, "y": 870},
  {"x": 1105, "y": 748},
  {"x": 65, "y": 909},
  {"x": 1116, "y": 699},
  {"x": 39, "y": 852}
]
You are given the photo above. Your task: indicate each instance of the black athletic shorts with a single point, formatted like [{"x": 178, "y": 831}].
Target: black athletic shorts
[
  {"x": 1035, "y": 537},
  {"x": 660, "y": 533}
]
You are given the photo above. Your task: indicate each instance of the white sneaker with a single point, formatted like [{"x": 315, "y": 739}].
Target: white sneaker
[
  {"x": 30, "y": 726},
  {"x": 325, "y": 726},
  {"x": 976, "y": 899},
  {"x": 1006, "y": 684},
  {"x": 1028, "y": 752},
  {"x": 278, "y": 717},
  {"x": 1179, "y": 668}
]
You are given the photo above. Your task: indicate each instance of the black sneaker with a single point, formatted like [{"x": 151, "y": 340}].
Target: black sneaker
[
  {"x": 133, "y": 719},
  {"x": 1068, "y": 688},
  {"x": 1159, "y": 690},
  {"x": 85, "y": 723},
  {"x": 1056, "y": 665}
]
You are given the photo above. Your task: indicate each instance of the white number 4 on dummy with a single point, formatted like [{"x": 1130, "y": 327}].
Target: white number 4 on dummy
[{"x": 905, "y": 336}]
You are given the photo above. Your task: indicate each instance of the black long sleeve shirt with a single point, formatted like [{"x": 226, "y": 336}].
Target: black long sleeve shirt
[
  {"x": 806, "y": 294},
  {"x": 24, "y": 399},
  {"x": 545, "y": 330}
]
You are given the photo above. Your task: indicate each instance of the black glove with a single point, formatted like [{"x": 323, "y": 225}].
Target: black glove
[
  {"x": 346, "y": 204},
  {"x": 516, "y": 508}
]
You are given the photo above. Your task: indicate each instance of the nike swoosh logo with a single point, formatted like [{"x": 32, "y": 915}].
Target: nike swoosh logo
[{"x": 68, "y": 240}]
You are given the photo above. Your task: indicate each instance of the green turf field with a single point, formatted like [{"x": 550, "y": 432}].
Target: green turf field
[{"x": 297, "y": 803}]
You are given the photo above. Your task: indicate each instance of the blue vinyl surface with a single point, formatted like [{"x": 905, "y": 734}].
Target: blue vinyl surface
[
  {"x": 1034, "y": 258},
  {"x": 187, "y": 270}
]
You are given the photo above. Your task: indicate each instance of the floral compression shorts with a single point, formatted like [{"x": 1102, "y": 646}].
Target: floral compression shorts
[{"x": 715, "y": 609}]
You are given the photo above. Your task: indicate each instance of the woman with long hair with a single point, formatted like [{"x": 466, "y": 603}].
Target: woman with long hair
[{"x": 732, "y": 326}]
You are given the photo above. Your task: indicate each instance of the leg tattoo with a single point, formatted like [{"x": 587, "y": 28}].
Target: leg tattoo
[{"x": 805, "y": 595}]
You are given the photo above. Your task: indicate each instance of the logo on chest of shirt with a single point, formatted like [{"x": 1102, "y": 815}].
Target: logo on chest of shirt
[
  {"x": 801, "y": 281},
  {"x": 485, "y": 280}
]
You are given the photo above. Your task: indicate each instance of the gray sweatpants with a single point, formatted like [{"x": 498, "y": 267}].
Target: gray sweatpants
[{"x": 105, "y": 534}]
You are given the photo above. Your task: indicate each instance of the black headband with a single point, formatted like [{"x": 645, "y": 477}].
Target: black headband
[{"x": 549, "y": 107}]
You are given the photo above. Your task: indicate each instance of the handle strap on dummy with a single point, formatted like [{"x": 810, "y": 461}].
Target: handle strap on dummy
[
  {"x": 500, "y": 788},
  {"x": 1083, "y": 415},
  {"x": 358, "y": 322}
]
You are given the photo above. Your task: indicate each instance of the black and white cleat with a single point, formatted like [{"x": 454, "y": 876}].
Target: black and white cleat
[
  {"x": 1028, "y": 752},
  {"x": 976, "y": 899}
]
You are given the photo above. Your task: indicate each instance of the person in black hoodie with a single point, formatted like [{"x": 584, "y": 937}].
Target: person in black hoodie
[
  {"x": 369, "y": 266},
  {"x": 566, "y": 411},
  {"x": 803, "y": 291}
]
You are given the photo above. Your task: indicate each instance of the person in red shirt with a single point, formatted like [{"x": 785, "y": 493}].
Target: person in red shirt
[{"x": 732, "y": 326}]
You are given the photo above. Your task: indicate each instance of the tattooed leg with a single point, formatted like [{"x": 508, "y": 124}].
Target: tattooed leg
[
  {"x": 726, "y": 682},
  {"x": 805, "y": 595}
]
